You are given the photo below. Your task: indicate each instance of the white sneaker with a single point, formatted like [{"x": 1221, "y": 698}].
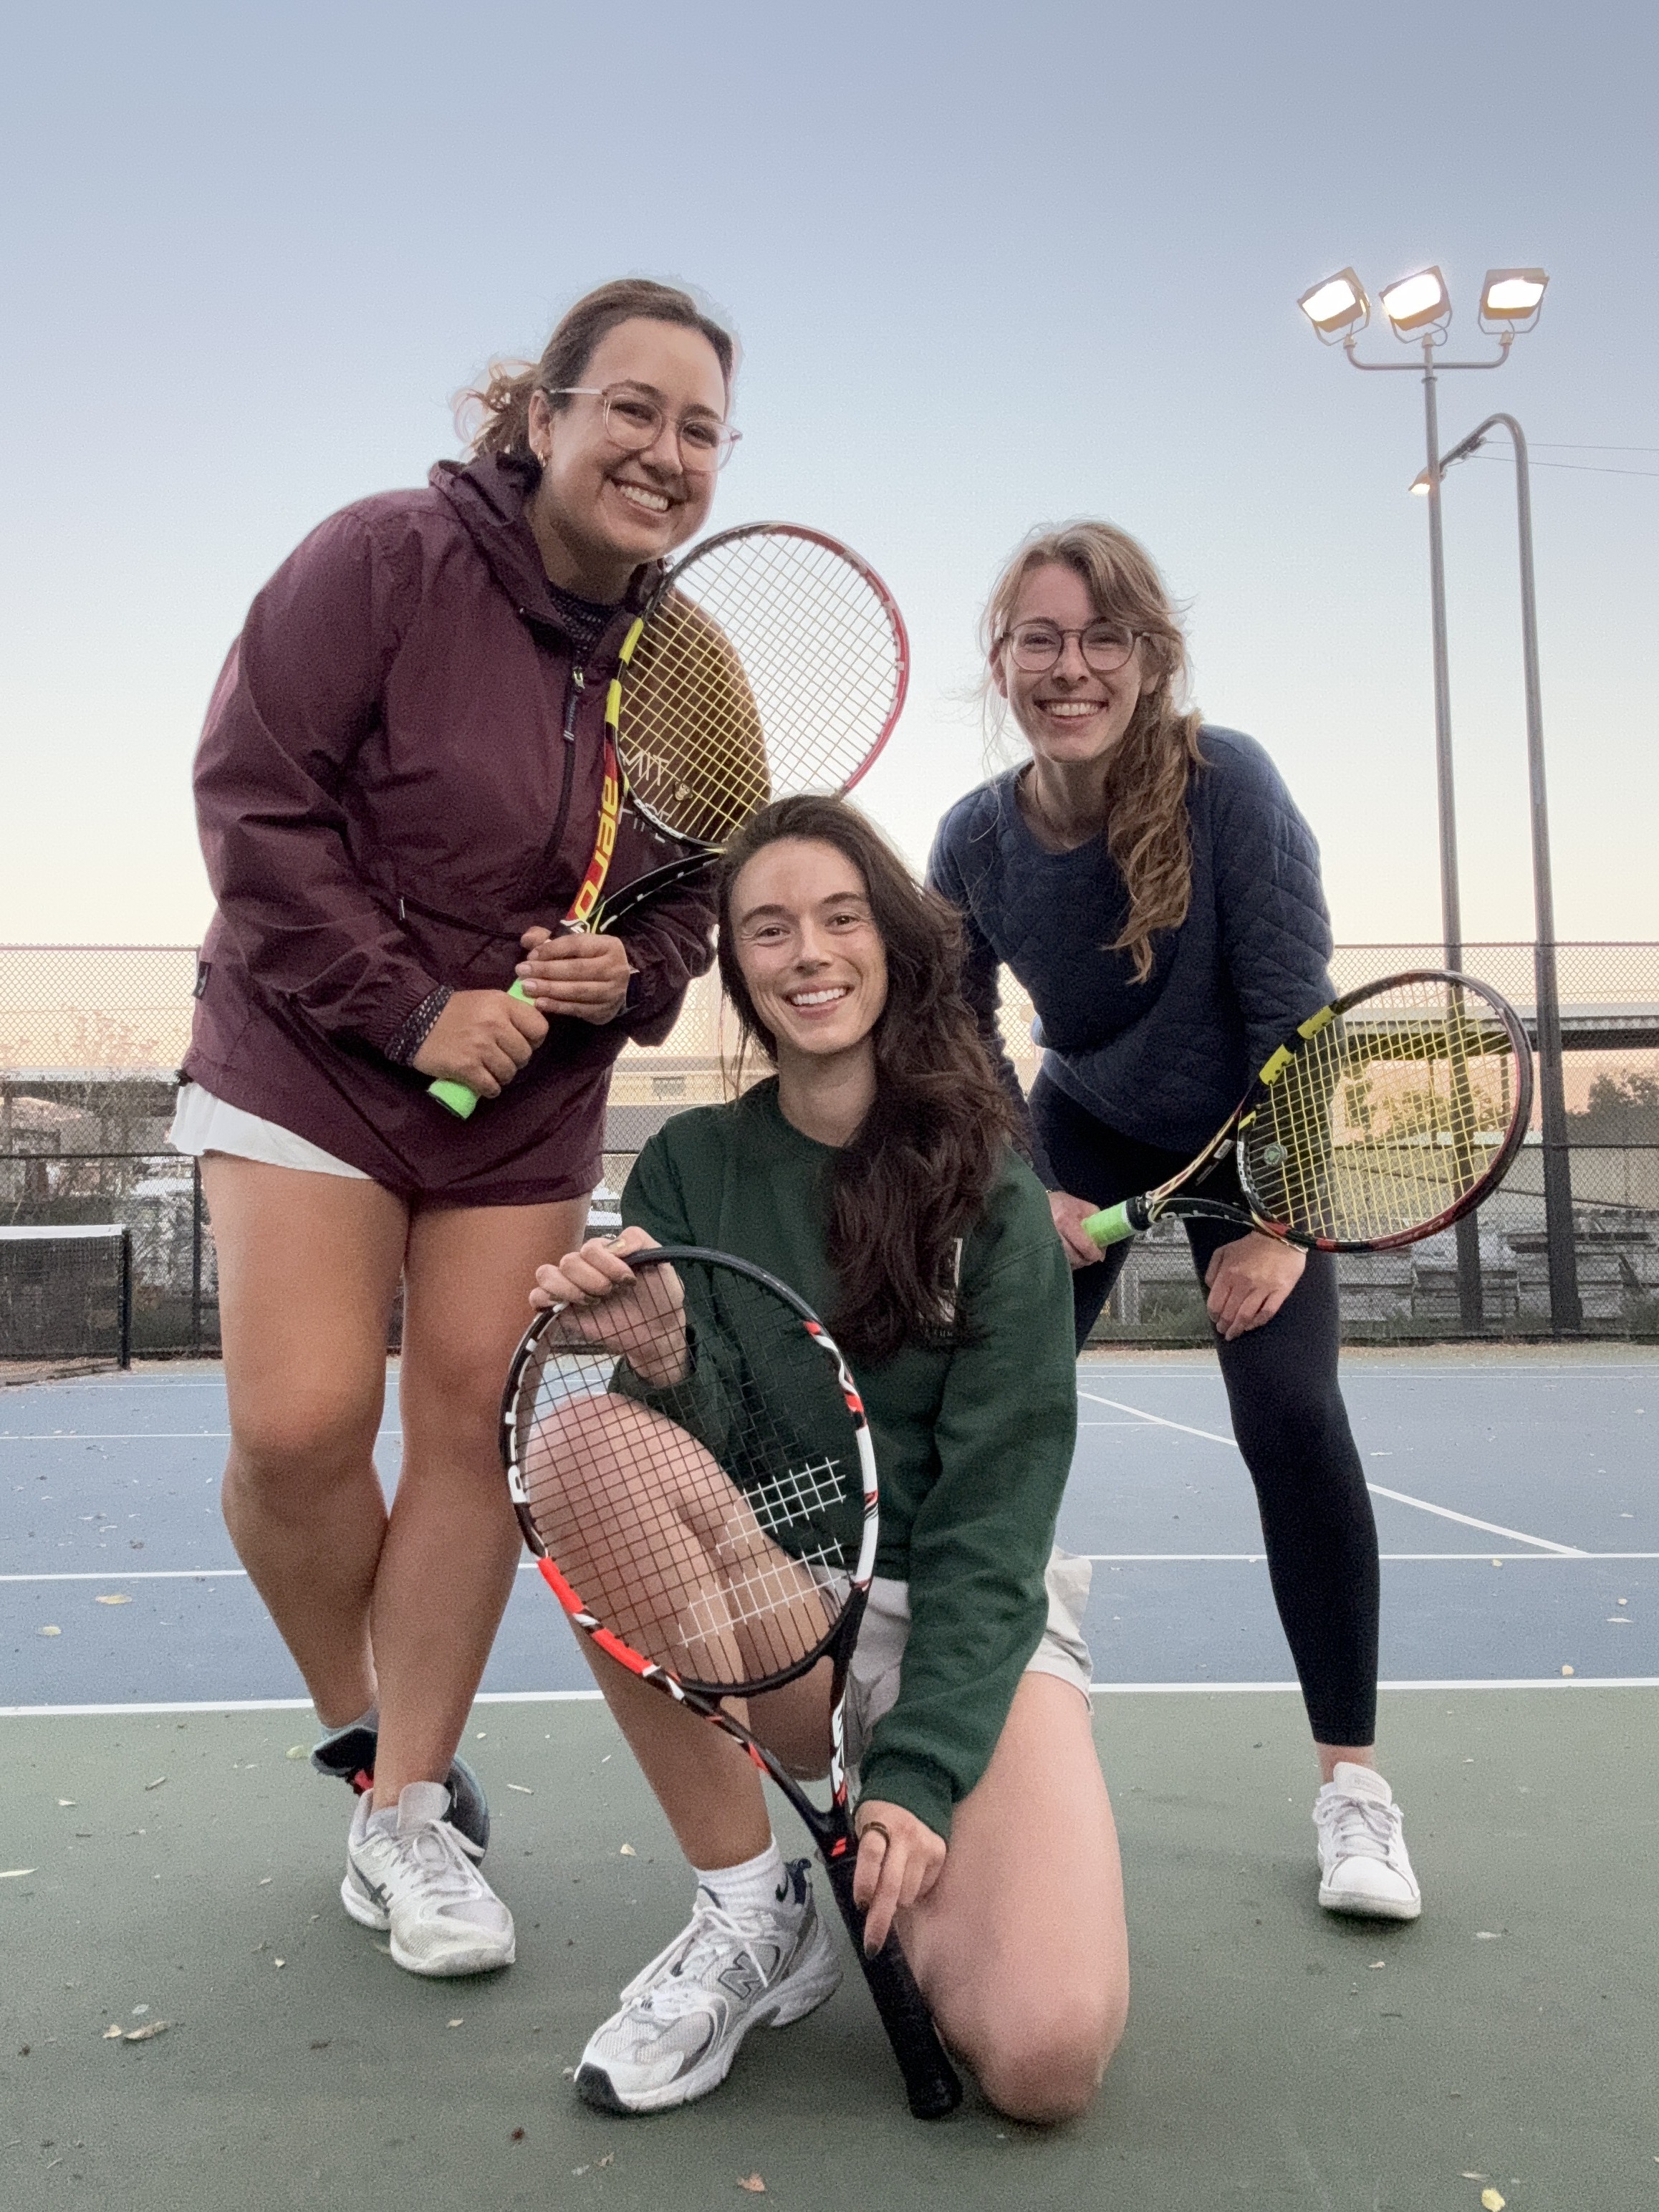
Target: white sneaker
[
  {"x": 409, "y": 1871},
  {"x": 685, "y": 2015},
  {"x": 1363, "y": 1865}
]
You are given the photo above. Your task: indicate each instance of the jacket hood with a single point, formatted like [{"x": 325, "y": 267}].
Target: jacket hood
[{"x": 489, "y": 496}]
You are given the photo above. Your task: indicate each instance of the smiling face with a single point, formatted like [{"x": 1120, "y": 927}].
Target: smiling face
[
  {"x": 807, "y": 946},
  {"x": 1069, "y": 715},
  {"x": 599, "y": 512}
]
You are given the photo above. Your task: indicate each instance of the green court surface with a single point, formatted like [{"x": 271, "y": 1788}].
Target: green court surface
[{"x": 1274, "y": 2056}]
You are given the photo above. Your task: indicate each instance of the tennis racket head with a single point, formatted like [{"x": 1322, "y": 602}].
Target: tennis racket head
[
  {"x": 690, "y": 1463},
  {"x": 1391, "y": 1113},
  {"x": 772, "y": 660}
]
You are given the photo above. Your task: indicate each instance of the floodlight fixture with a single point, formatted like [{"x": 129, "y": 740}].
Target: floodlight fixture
[
  {"x": 1420, "y": 483},
  {"x": 1337, "y": 307},
  {"x": 1414, "y": 303},
  {"x": 1511, "y": 298}
]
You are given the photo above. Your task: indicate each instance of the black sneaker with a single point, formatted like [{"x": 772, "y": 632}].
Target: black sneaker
[{"x": 348, "y": 1755}]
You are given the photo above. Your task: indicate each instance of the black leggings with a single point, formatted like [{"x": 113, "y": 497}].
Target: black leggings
[{"x": 1288, "y": 1416}]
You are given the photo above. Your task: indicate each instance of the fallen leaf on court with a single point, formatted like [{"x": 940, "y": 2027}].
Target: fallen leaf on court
[
  {"x": 523, "y": 1789},
  {"x": 52, "y": 1629},
  {"x": 1566, "y": 1670},
  {"x": 569, "y": 2072},
  {"x": 1488, "y": 1935},
  {"x": 1491, "y": 2200},
  {"x": 517, "y": 2135},
  {"x": 578, "y": 2169},
  {"x": 454, "y": 2023},
  {"x": 151, "y": 2027},
  {"x": 15, "y": 1873},
  {"x": 112, "y": 2034},
  {"x": 113, "y": 1600},
  {"x": 610, "y": 2159},
  {"x": 296, "y": 1751},
  {"x": 156, "y": 1784},
  {"x": 69, "y": 1801},
  {"x": 324, "y": 2043},
  {"x": 627, "y": 1852},
  {"x": 754, "y": 2185},
  {"x": 279, "y": 1962},
  {"x": 1377, "y": 1965}
]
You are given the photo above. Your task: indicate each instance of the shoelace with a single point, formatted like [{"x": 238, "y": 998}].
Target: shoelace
[
  {"x": 669, "y": 1985},
  {"x": 1360, "y": 1827},
  {"x": 436, "y": 1855}
]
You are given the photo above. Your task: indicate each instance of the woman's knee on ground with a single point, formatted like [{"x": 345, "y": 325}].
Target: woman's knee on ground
[{"x": 1042, "y": 2060}]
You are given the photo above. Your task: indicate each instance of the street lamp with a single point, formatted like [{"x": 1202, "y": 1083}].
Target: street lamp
[
  {"x": 1566, "y": 1311},
  {"x": 1418, "y": 306}
]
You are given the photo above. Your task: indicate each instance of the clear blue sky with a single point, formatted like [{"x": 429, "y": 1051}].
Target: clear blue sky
[{"x": 990, "y": 267}]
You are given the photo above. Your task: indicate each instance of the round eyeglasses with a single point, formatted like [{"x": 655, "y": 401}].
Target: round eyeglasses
[
  {"x": 633, "y": 420},
  {"x": 1037, "y": 646}
]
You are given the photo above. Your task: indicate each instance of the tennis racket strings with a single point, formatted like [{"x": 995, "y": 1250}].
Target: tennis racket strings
[
  {"x": 774, "y": 664},
  {"x": 1389, "y": 1113},
  {"x": 696, "y": 1479}
]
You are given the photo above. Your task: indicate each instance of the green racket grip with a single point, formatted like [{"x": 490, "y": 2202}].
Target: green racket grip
[
  {"x": 1117, "y": 1224},
  {"x": 455, "y": 1095}
]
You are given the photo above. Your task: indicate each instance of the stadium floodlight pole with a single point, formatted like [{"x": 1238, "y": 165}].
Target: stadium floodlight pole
[
  {"x": 1419, "y": 308},
  {"x": 1566, "y": 1311}
]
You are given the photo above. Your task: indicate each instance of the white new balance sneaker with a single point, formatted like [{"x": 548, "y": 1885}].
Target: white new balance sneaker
[
  {"x": 1363, "y": 1865},
  {"x": 683, "y": 2017},
  {"x": 409, "y": 1871}
]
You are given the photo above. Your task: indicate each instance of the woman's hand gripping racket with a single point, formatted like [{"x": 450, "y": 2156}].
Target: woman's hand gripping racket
[
  {"x": 771, "y": 660},
  {"x": 691, "y": 1466},
  {"x": 1390, "y": 1113}
]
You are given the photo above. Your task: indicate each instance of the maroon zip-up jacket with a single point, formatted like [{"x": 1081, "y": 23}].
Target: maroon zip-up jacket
[{"x": 400, "y": 774}]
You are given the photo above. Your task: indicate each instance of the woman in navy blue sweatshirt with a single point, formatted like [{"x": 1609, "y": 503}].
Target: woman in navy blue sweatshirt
[{"x": 1148, "y": 879}]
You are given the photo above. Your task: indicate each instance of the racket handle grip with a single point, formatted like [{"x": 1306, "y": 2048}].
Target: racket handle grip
[
  {"x": 459, "y": 1100},
  {"x": 931, "y": 2082},
  {"x": 1117, "y": 1224}
]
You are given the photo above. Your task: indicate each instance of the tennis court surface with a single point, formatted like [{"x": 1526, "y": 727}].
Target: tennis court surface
[{"x": 167, "y": 1858}]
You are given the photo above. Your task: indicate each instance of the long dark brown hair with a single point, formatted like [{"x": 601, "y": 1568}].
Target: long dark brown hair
[
  {"x": 496, "y": 418},
  {"x": 911, "y": 1184},
  {"x": 1148, "y": 770}
]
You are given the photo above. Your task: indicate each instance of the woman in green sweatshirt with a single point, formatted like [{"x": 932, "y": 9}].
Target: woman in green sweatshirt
[{"x": 873, "y": 1174}]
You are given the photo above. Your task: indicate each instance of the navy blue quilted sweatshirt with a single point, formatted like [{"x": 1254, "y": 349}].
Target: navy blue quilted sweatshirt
[{"x": 1165, "y": 1061}]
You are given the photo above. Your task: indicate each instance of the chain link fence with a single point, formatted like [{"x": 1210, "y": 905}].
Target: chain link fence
[{"x": 91, "y": 1037}]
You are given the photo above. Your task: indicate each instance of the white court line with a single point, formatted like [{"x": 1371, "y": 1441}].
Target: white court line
[
  {"x": 591, "y": 1696},
  {"x": 1400, "y": 1497},
  {"x": 1468, "y": 1521},
  {"x": 142, "y": 1435},
  {"x": 1554, "y": 1559},
  {"x": 193, "y": 1574}
]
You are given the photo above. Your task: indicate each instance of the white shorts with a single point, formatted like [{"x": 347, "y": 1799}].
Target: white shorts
[
  {"x": 203, "y": 1123},
  {"x": 873, "y": 1679}
]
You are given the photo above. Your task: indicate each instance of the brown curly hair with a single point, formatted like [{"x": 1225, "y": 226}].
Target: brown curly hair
[
  {"x": 912, "y": 1184},
  {"x": 1148, "y": 770}
]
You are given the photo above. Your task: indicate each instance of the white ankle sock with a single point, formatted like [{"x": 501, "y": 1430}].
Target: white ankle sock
[{"x": 760, "y": 1884}]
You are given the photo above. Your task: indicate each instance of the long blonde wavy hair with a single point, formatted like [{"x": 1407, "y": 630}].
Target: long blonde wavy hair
[{"x": 1147, "y": 771}]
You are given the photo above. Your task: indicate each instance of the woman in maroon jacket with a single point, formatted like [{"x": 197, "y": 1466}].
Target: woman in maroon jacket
[{"x": 398, "y": 791}]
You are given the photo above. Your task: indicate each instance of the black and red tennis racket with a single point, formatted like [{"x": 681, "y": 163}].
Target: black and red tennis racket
[
  {"x": 692, "y": 1469},
  {"x": 771, "y": 660}
]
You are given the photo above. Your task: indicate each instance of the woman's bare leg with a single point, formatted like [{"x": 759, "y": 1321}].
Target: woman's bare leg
[
  {"x": 308, "y": 1267},
  {"x": 1020, "y": 1946},
  {"x": 446, "y": 1568}
]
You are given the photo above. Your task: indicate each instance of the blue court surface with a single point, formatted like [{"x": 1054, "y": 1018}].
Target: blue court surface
[{"x": 1514, "y": 1495}]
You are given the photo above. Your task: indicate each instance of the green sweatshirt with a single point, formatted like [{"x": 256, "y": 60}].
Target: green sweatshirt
[{"x": 973, "y": 1446}]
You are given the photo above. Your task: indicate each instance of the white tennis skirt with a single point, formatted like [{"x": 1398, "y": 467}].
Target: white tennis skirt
[{"x": 203, "y": 1123}]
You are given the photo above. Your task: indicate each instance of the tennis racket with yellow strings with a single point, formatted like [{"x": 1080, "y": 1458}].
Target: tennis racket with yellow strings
[
  {"x": 1390, "y": 1113},
  {"x": 771, "y": 660}
]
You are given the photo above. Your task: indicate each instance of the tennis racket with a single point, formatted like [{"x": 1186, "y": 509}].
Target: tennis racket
[
  {"x": 771, "y": 660},
  {"x": 692, "y": 1469},
  {"x": 1390, "y": 1113}
]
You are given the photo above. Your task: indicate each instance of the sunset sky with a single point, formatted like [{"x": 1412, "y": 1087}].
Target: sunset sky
[{"x": 990, "y": 267}]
